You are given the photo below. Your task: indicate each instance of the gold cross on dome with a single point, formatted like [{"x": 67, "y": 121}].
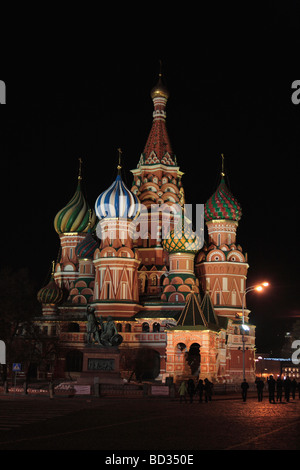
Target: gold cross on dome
[
  {"x": 223, "y": 171},
  {"x": 80, "y": 166},
  {"x": 119, "y": 167}
]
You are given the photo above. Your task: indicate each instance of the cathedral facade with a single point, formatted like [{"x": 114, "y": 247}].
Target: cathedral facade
[{"x": 177, "y": 301}]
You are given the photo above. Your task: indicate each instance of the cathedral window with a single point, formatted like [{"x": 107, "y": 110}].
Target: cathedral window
[
  {"x": 145, "y": 327},
  {"x": 107, "y": 290},
  {"x": 218, "y": 298}
]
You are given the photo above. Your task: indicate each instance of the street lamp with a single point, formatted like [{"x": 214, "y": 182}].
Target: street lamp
[{"x": 244, "y": 327}]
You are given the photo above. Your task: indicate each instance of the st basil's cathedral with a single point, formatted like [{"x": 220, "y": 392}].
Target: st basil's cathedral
[{"x": 177, "y": 302}]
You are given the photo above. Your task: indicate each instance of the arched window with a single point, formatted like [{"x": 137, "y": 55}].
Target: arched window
[
  {"x": 156, "y": 327},
  {"x": 145, "y": 327},
  {"x": 127, "y": 328}
]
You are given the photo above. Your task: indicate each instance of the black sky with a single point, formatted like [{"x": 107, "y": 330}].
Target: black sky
[{"x": 222, "y": 100}]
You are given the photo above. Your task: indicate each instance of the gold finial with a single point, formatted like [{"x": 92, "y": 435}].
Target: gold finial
[
  {"x": 80, "y": 166},
  {"x": 160, "y": 68},
  {"x": 53, "y": 267},
  {"x": 119, "y": 167},
  {"x": 223, "y": 171},
  {"x": 160, "y": 90}
]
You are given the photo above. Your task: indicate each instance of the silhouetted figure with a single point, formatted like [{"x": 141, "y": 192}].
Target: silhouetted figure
[
  {"x": 293, "y": 388},
  {"x": 279, "y": 385},
  {"x": 259, "y": 386},
  {"x": 287, "y": 388},
  {"x": 191, "y": 389},
  {"x": 271, "y": 389},
  {"x": 244, "y": 387},
  {"x": 200, "y": 389},
  {"x": 208, "y": 390}
]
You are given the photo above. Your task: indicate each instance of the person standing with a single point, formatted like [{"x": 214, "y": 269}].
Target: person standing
[
  {"x": 244, "y": 387},
  {"x": 182, "y": 391},
  {"x": 279, "y": 389},
  {"x": 271, "y": 389},
  {"x": 293, "y": 388},
  {"x": 287, "y": 389},
  {"x": 208, "y": 389},
  {"x": 259, "y": 386},
  {"x": 191, "y": 389},
  {"x": 199, "y": 389}
]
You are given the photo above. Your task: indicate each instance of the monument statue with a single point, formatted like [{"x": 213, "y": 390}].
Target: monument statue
[
  {"x": 107, "y": 336},
  {"x": 92, "y": 325}
]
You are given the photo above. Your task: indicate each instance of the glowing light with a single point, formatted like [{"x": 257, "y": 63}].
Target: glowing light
[
  {"x": 265, "y": 284},
  {"x": 259, "y": 288}
]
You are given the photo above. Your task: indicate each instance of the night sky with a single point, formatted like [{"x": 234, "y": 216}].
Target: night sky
[{"x": 87, "y": 106}]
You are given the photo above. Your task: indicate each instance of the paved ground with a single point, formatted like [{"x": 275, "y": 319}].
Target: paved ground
[{"x": 152, "y": 424}]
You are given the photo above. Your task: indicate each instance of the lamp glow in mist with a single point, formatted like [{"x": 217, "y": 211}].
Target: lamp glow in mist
[{"x": 258, "y": 288}]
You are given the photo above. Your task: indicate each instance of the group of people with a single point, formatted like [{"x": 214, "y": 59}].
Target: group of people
[
  {"x": 203, "y": 389},
  {"x": 281, "y": 388},
  {"x": 287, "y": 386}
]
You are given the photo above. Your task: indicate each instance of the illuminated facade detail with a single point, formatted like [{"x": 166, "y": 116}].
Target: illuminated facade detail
[{"x": 177, "y": 304}]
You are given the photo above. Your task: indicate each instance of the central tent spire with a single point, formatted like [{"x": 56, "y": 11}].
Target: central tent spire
[{"x": 158, "y": 147}]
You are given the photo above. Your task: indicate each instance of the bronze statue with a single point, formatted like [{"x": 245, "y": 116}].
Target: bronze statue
[
  {"x": 92, "y": 325},
  {"x": 107, "y": 336},
  {"x": 109, "y": 333}
]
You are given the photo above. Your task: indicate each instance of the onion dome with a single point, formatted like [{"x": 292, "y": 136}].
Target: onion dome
[
  {"x": 86, "y": 247},
  {"x": 160, "y": 90},
  {"x": 117, "y": 202},
  {"x": 75, "y": 216},
  {"x": 222, "y": 204},
  {"x": 51, "y": 293},
  {"x": 182, "y": 240}
]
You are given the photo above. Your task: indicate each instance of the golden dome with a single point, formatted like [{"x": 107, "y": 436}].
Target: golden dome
[{"x": 160, "y": 90}]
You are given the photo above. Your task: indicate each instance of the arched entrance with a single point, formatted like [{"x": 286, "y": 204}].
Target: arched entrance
[
  {"x": 194, "y": 358},
  {"x": 147, "y": 365}
]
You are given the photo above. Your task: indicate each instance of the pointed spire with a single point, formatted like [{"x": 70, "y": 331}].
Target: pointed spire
[
  {"x": 192, "y": 314},
  {"x": 158, "y": 147}
]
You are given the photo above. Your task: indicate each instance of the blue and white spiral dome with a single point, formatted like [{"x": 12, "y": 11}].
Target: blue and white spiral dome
[{"x": 117, "y": 202}]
